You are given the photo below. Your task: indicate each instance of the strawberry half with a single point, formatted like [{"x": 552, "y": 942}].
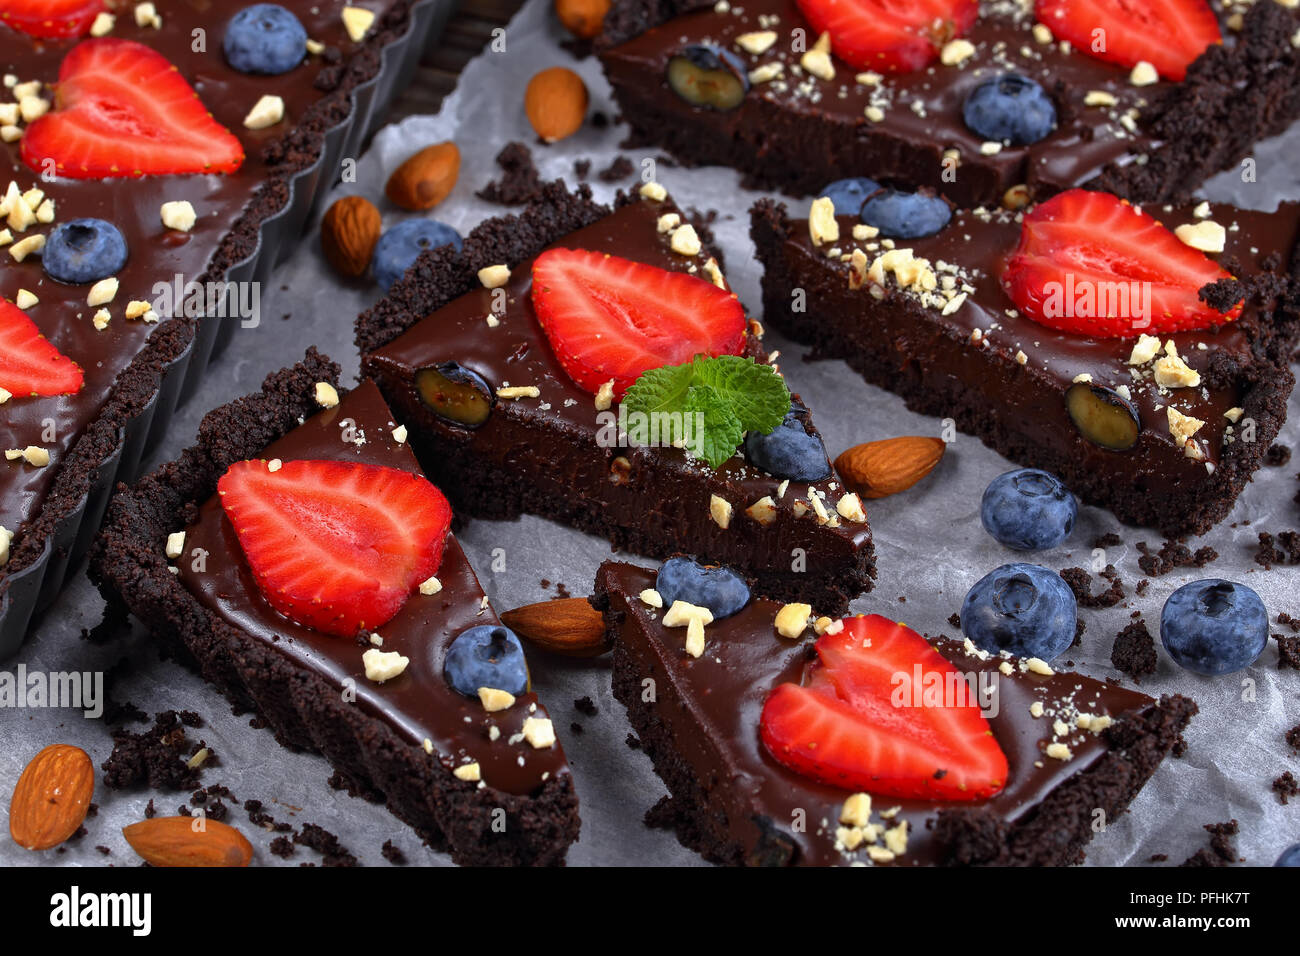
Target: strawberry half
[
  {"x": 29, "y": 364},
  {"x": 889, "y": 36},
  {"x": 1087, "y": 262},
  {"x": 842, "y": 726},
  {"x": 122, "y": 109},
  {"x": 336, "y": 546},
  {"x": 611, "y": 318},
  {"x": 1168, "y": 34},
  {"x": 50, "y": 18}
]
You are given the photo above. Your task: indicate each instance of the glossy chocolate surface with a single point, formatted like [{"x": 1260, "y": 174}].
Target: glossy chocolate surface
[
  {"x": 713, "y": 703},
  {"x": 979, "y": 243},
  {"x": 156, "y": 254},
  {"x": 418, "y": 703}
]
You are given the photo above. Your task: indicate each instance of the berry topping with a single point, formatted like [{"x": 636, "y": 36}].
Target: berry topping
[
  {"x": 720, "y": 589},
  {"x": 1290, "y": 856},
  {"x": 1028, "y": 510},
  {"x": 1214, "y": 626},
  {"x": 1103, "y": 416},
  {"x": 707, "y": 75},
  {"x": 122, "y": 109},
  {"x": 489, "y": 655},
  {"x": 336, "y": 546},
  {"x": 50, "y": 18},
  {"x": 1168, "y": 34},
  {"x": 904, "y": 215},
  {"x": 848, "y": 195},
  {"x": 1010, "y": 109},
  {"x": 455, "y": 393},
  {"x": 843, "y": 726},
  {"x": 399, "y": 247},
  {"x": 1091, "y": 264},
  {"x": 264, "y": 38},
  {"x": 611, "y": 318},
  {"x": 890, "y": 36},
  {"x": 1020, "y": 608},
  {"x": 84, "y": 250},
  {"x": 29, "y": 364},
  {"x": 788, "y": 451}
]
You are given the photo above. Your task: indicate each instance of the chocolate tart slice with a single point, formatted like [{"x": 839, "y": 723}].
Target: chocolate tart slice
[
  {"x": 439, "y": 759},
  {"x": 1075, "y": 747},
  {"x": 533, "y": 441},
  {"x": 967, "y": 353},
  {"x": 796, "y": 130}
]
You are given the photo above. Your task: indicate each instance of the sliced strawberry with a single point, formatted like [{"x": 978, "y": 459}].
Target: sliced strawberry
[
  {"x": 29, "y": 364},
  {"x": 121, "y": 109},
  {"x": 1168, "y": 34},
  {"x": 336, "y": 546},
  {"x": 848, "y": 724},
  {"x": 50, "y": 18},
  {"x": 889, "y": 36},
  {"x": 611, "y": 318},
  {"x": 1083, "y": 247}
]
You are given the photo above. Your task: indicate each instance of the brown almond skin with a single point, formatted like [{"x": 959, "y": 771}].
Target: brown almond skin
[
  {"x": 877, "y": 469},
  {"x": 568, "y": 626},
  {"x": 556, "y": 103},
  {"x": 348, "y": 235},
  {"x": 425, "y": 179},
  {"x": 52, "y": 797},
  {"x": 582, "y": 18},
  {"x": 173, "y": 841}
]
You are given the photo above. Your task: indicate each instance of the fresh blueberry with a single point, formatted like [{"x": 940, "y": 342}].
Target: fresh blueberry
[
  {"x": 1028, "y": 510},
  {"x": 848, "y": 195},
  {"x": 1214, "y": 626},
  {"x": 1020, "y": 608},
  {"x": 486, "y": 656},
  {"x": 264, "y": 38},
  {"x": 1290, "y": 856},
  {"x": 904, "y": 215},
  {"x": 720, "y": 589},
  {"x": 399, "y": 247},
  {"x": 788, "y": 451},
  {"x": 1010, "y": 109},
  {"x": 83, "y": 250},
  {"x": 707, "y": 75}
]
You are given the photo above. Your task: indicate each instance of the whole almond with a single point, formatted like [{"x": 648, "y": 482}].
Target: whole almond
[
  {"x": 348, "y": 234},
  {"x": 879, "y": 468},
  {"x": 582, "y": 18},
  {"x": 188, "y": 841},
  {"x": 52, "y": 797},
  {"x": 556, "y": 103},
  {"x": 426, "y": 178},
  {"x": 568, "y": 626}
]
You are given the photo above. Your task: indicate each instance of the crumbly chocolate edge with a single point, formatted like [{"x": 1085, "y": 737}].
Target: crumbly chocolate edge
[{"x": 303, "y": 709}]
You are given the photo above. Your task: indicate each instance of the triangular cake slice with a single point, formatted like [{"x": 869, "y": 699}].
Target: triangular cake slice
[
  {"x": 380, "y": 704},
  {"x": 1044, "y": 753},
  {"x": 506, "y": 424}
]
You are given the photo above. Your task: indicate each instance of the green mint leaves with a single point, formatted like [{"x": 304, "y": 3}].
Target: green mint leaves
[{"x": 708, "y": 403}]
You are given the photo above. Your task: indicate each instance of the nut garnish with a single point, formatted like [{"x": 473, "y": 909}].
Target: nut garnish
[
  {"x": 470, "y": 772},
  {"x": 757, "y": 42},
  {"x": 519, "y": 391},
  {"x": 763, "y": 510},
  {"x": 817, "y": 60},
  {"x": 357, "y": 21},
  {"x": 383, "y": 665},
  {"x": 179, "y": 215},
  {"x": 539, "y": 731},
  {"x": 682, "y": 613},
  {"x": 880, "y": 468},
  {"x": 326, "y": 395},
  {"x": 494, "y": 700},
  {"x": 720, "y": 511},
  {"x": 494, "y": 277},
  {"x": 1206, "y": 235},
  {"x": 822, "y": 227},
  {"x": 792, "y": 620},
  {"x": 266, "y": 112},
  {"x": 175, "y": 544},
  {"x": 1182, "y": 427},
  {"x": 685, "y": 241},
  {"x": 1144, "y": 74}
]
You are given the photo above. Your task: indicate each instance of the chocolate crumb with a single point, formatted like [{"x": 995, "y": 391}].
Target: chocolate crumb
[
  {"x": 633, "y": 741},
  {"x": 1134, "y": 651},
  {"x": 392, "y": 854},
  {"x": 156, "y": 757},
  {"x": 575, "y": 728},
  {"x": 955, "y": 620},
  {"x": 1277, "y": 455},
  {"x": 1286, "y": 786},
  {"x": 1288, "y": 651},
  {"x": 282, "y": 847},
  {"x": 1220, "y": 852},
  {"x": 1108, "y": 540},
  {"x": 618, "y": 170},
  {"x": 1158, "y": 857},
  {"x": 582, "y": 169},
  {"x": 585, "y": 705},
  {"x": 325, "y": 843},
  {"x": 1141, "y": 587},
  {"x": 1171, "y": 555},
  {"x": 104, "y": 850},
  {"x": 519, "y": 183},
  {"x": 1293, "y": 737},
  {"x": 1287, "y": 620},
  {"x": 1080, "y": 582},
  {"x": 1287, "y": 552}
]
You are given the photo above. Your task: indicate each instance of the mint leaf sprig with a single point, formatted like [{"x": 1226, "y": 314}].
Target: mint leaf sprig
[{"x": 709, "y": 403}]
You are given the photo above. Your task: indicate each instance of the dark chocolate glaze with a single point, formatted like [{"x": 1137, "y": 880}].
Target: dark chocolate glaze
[
  {"x": 980, "y": 241},
  {"x": 712, "y": 706},
  {"x": 516, "y": 352},
  {"x": 418, "y": 703},
  {"x": 155, "y": 253}
]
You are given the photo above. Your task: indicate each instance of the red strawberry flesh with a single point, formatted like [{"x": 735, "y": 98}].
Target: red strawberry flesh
[
  {"x": 1168, "y": 34},
  {"x": 336, "y": 546},
  {"x": 609, "y": 318},
  {"x": 122, "y": 109},
  {"x": 889, "y": 35},
  {"x": 1091, "y": 242},
  {"x": 50, "y": 18},
  {"x": 29, "y": 364},
  {"x": 845, "y": 724}
]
